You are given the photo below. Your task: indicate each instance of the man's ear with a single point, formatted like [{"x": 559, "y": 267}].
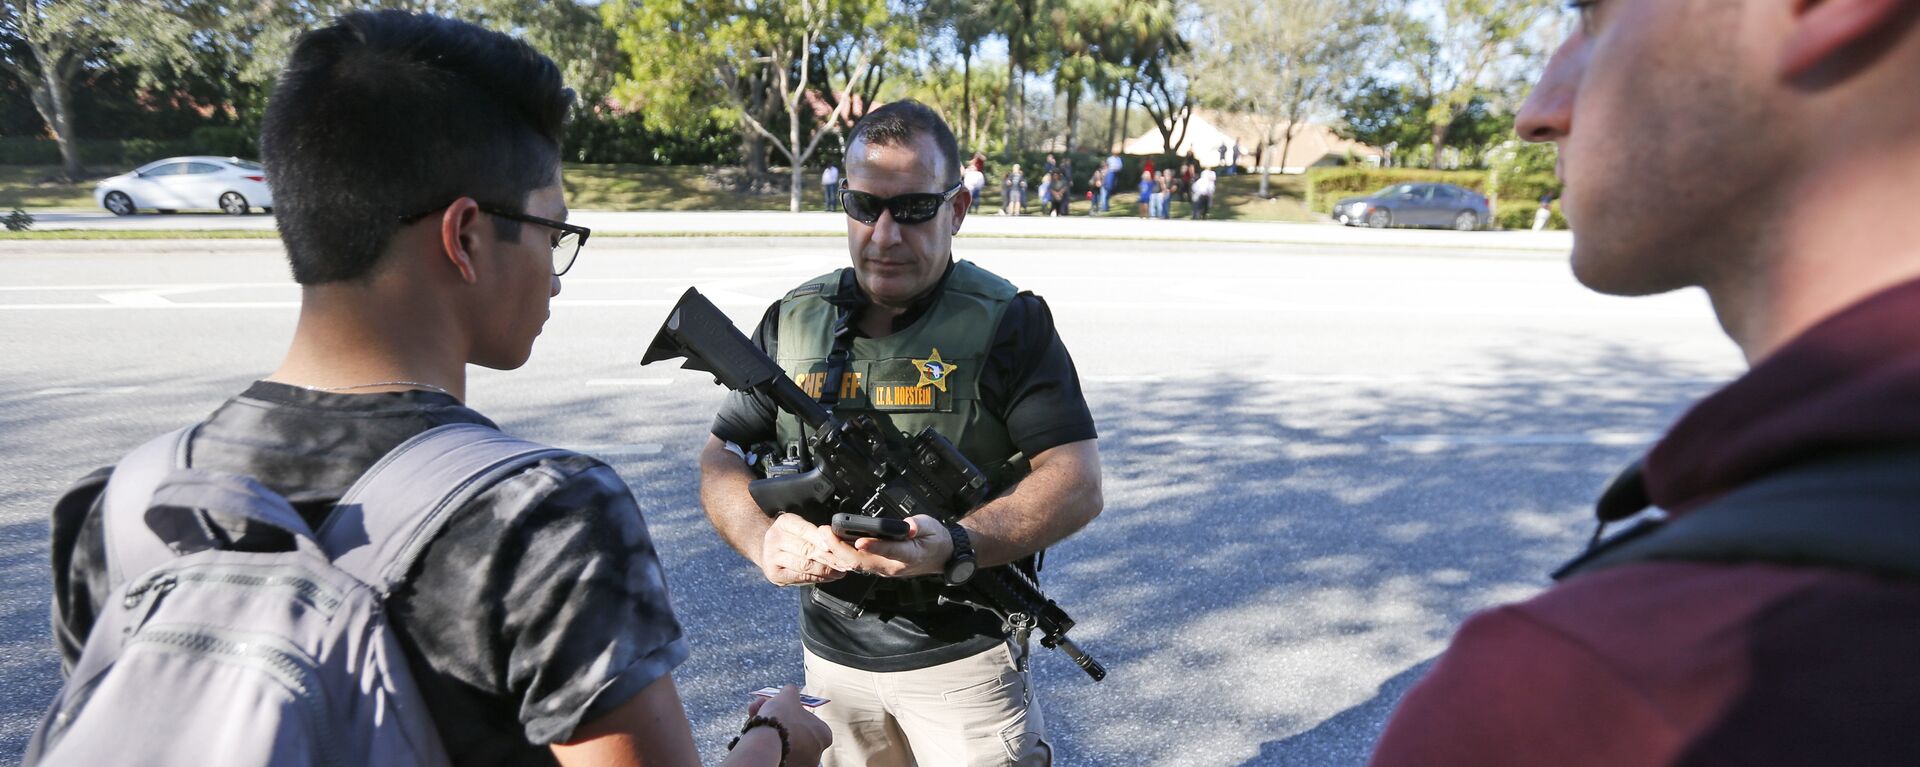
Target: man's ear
[
  {"x": 961, "y": 203},
  {"x": 1823, "y": 28},
  {"x": 459, "y": 231}
]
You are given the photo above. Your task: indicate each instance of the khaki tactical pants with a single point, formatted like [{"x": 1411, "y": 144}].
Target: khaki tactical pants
[{"x": 973, "y": 712}]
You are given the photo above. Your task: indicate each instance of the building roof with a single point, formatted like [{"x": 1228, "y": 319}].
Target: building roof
[{"x": 1208, "y": 130}]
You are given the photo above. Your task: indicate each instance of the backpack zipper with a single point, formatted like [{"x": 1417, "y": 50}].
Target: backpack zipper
[
  {"x": 283, "y": 663},
  {"x": 307, "y": 591}
]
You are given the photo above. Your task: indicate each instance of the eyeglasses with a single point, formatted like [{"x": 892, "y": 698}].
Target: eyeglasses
[
  {"x": 910, "y": 208},
  {"x": 567, "y": 240}
]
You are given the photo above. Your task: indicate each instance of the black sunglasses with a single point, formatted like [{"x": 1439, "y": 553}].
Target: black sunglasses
[
  {"x": 567, "y": 241},
  {"x": 910, "y": 208}
]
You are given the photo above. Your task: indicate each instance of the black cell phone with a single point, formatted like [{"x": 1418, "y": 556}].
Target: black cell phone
[{"x": 854, "y": 526}]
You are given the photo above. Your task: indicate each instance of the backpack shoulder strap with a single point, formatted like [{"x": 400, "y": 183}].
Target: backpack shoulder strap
[
  {"x": 132, "y": 547},
  {"x": 1857, "y": 512},
  {"x": 390, "y": 515}
]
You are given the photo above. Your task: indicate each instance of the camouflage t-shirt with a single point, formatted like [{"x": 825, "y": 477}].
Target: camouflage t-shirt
[{"x": 540, "y": 606}]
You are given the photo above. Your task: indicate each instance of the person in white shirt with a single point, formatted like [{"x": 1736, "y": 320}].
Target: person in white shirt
[
  {"x": 975, "y": 182},
  {"x": 1203, "y": 194},
  {"x": 830, "y": 187}
]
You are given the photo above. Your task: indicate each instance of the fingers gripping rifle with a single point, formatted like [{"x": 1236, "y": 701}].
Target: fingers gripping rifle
[{"x": 859, "y": 461}]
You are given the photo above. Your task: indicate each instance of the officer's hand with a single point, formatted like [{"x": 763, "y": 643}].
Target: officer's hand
[
  {"x": 807, "y": 736},
  {"x": 788, "y": 556},
  {"x": 924, "y": 552}
]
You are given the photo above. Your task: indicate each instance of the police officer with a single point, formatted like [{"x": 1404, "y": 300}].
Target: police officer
[{"x": 939, "y": 343}]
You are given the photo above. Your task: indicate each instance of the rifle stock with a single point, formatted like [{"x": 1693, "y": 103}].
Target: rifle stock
[{"x": 698, "y": 331}]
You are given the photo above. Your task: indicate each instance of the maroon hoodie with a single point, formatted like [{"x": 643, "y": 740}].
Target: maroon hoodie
[{"x": 1697, "y": 664}]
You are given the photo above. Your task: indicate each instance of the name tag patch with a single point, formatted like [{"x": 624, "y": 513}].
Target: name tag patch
[{"x": 902, "y": 397}]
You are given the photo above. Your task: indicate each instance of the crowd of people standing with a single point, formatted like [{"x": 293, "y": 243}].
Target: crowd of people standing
[{"x": 1055, "y": 189}]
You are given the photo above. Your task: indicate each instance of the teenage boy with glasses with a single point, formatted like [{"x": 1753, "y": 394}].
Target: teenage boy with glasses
[
  {"x": 938, "y": 343},
  {"x": 537, "y": 622}
]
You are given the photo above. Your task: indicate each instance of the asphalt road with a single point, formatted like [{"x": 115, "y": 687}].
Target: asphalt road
[{"x": 1319, "y": 459}]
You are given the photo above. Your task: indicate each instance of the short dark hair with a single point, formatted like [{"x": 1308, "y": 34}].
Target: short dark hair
[
  {"x": 387, "y": 113},
  {"x": 898, "y": 123}
]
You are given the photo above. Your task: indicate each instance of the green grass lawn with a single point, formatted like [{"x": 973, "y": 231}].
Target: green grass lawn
[
  {"x": 647, "y": 187},
  {"x": 38, "y": 187},
  {"x": 639, "y": 187}
]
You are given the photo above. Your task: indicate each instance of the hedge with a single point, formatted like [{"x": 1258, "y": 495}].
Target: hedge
[
  {"x": 1518, "y": 214},
  {"x": 107, "y": 154},
  {"x": 1528, "y": 188}
]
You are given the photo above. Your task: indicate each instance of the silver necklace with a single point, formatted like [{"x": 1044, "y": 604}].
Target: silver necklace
[{"x": 415, "y": 384}]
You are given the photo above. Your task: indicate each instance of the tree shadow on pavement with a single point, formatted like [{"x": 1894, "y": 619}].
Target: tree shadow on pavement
[
  {"x": 1276, "y": 564},
  {"x": 1344, "y": 738}
]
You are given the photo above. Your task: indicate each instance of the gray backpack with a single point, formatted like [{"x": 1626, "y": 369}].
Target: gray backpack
[{"x": 211, "y": 652}]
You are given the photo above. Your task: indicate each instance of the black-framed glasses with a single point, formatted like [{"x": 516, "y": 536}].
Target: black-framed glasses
[
  {"x": 910, "y": 208},
  {"x": 567, "y": 240}
]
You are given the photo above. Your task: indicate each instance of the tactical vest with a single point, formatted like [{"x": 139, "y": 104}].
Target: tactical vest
[{"x": 927, "y": 374}]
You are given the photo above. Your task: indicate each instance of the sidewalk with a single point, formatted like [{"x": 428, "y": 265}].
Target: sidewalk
[{"x": 617, "y": 223}]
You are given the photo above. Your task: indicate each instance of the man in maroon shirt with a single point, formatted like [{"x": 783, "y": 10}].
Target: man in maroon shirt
[{"x": 1767, "y": 151}]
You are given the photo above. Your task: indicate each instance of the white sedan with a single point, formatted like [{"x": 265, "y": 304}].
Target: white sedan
[{"x": 228, "y": 184}]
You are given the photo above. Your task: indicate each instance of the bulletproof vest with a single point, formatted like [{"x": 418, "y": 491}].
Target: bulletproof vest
[{"x": 927, "y": 374}]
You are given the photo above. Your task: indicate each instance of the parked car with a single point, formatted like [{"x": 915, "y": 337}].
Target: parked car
[
  {"x": 1417, "y": 205},
  {"x": 227, "y": 184}
]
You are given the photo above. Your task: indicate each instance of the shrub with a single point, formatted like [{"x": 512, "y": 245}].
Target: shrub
[
  {"x": 1527, "y": 188},
  {"x": 140, "y": 151},
  {"x": 1518, "y": 214},
  {"x": 224, "y": 141},
  {"x": 18, "y": 221},
  {"x": 28, "y": 150},
  {"x": 1325, "y": 186},
  {"x": 607, "y": 138}
]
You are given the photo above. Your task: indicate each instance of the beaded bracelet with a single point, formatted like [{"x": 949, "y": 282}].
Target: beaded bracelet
[{"x": 764, "y": 721}]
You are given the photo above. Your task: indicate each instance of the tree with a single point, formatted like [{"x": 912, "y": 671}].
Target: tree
[
  {"x": 967, "y": 24},
  {"x": 63, "y": 37},
  {"x": 567, "y": 31},
  {"x": 1465, "y": 49},
  {"x": 1112, "y": 49},
  {"x": 1383, "y": 114},
  {"x": 755, "y": 56},
  {"x": 1016, "y": 20},
  {"x": 1281, "y": 62}
]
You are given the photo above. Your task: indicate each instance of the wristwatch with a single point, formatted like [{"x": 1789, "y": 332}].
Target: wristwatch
[{"x": 960, "y": 564}]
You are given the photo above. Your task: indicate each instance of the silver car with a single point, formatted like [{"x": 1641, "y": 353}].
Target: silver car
[
  {"x": 1417, "y": 205},
  {"x": 227, "y": 184}
]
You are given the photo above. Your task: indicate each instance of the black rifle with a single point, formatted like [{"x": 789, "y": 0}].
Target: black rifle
[{"x": 858, "y": 461}]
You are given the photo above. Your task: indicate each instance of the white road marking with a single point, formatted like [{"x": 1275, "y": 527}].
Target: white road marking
[
  {"x": 1216, "y": 441},
  {"x": 138, "y": 300},
  {"x": 161, "y": 304},
  {"x": 66, "y": 391},
  {"x": 195, "y": 286},
  {"x": 1443, "y": 441},
  {"x": 1446, "y": 379},
  {"x": 1336, "y": 310},
  {"x": 151, "y": 286},
  {"x": 1487, "y": 379},
  {"x": 623, "y": 382}
]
